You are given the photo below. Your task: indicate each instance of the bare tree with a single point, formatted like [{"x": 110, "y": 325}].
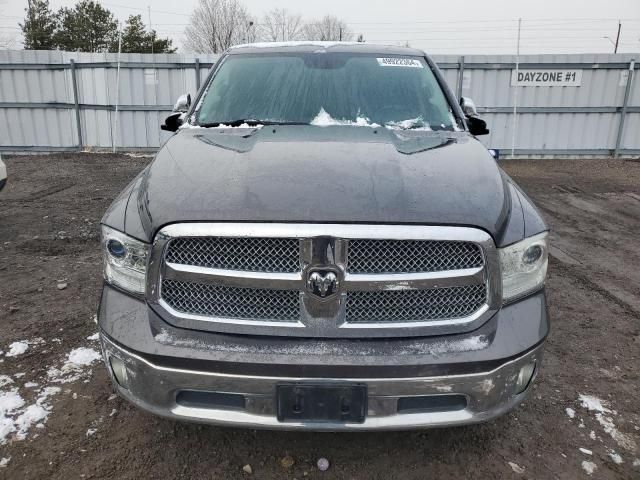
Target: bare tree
[
  {"x": 330, "y": 28},
  {"x": 278, "y": 25},
  {"x": 216, "y": 25}
]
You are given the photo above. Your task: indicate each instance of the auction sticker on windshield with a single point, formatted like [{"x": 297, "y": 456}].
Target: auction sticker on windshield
[{"x": 399, "y": 62}]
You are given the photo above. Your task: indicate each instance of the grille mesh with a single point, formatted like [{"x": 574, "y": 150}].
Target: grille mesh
[
  {"x": 232, "y": 302},
  {"x": 253, "y": 254},
  {"x": 411, "y": 256},
  {"x": 415, "y": 305}
]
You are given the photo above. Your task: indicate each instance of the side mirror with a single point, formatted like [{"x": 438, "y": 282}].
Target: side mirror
[
  {"x": 477, "y": 126},
  {"x": 183, "y": 104},
  {"x": 173, "y": 121}
]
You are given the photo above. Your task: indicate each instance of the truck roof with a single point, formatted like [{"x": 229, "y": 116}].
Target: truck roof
[{"x": 311, "y": 46}]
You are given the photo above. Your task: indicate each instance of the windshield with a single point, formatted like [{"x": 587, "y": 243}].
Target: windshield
[{"x": 323, "y": 88}]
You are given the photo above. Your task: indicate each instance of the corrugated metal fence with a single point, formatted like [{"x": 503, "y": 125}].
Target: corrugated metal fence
[{"x": 61, "y": 101}]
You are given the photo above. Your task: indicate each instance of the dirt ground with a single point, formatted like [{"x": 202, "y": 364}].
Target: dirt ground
[{"x": 49, "y": 218}]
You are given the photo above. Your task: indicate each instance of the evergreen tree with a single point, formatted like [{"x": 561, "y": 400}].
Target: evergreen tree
[
  {"x": 87, "y": 27},
  {"x": 39, "y": 26},
  {"x": 136, "y": 39}
]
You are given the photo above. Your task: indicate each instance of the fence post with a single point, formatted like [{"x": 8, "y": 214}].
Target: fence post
[
  {"x": 460, "y": 77},
  {"x": 76, "y": 104},
  {"x": 197, "y": 74},
  {"x": 623, "y": 111}
]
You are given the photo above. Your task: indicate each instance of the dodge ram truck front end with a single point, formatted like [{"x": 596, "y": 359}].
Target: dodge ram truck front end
[{"x": 328, "y": 275}]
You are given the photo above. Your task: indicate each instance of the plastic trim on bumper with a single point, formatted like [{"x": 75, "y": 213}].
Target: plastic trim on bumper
[{"x": 154, "y": 388}]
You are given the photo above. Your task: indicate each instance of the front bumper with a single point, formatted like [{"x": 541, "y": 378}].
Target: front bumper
[
  {"x": 163, "y": 361},
  {"x": 156, "y": 389}
]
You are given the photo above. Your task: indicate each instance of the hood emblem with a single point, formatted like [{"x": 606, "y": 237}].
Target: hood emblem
[{"x": 322, "y": 283}]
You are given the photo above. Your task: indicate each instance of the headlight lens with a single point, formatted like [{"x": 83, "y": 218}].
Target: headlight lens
[
  {"x": 125, "y": 260},
  {"x": 524, "y": 266}
]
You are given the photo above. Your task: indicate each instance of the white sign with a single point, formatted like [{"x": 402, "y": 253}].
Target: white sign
[
  {"x": 546, "y": 78},
  {"x": 399, "y": 62}
]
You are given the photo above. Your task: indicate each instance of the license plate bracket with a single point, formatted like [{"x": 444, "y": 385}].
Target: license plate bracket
[{"x": 321, "y": 403}]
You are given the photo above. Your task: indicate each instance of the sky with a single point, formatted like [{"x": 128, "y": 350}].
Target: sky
[{"x": 460, "y": 27}]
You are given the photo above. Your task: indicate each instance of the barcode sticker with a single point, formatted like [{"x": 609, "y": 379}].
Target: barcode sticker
[{"x": 399, "y": 62}]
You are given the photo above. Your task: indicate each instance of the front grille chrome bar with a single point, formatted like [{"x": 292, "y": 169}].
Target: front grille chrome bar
[{"x": 326, "y": 246}]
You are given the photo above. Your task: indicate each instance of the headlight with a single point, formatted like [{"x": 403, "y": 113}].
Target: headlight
[
  {"x": 524, "y": 266},
  {"x": 125, "y": 260}
]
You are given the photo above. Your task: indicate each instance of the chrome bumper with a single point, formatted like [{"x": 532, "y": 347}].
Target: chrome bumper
[{"x": 155, "y": 388}]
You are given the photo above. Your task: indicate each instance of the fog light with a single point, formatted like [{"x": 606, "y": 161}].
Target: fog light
[
  {"x": 119, "y": 371},
  {"x": 525, "y": 376}
]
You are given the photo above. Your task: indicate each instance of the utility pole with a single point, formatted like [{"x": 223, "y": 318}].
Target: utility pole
[
  {"x": 615, "y": 49},
  {"x": 515, "y": 94},
  {"x": 153, "y": 37}
]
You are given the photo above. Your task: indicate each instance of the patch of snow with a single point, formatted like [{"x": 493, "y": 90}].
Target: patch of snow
[
  {"x": 323, "y": 119},
  {"x": 32, "y": 414},
  {"x": 83, "y": 356},
  {"x": 72, "y": 370},
  {"x": 636, "y": 462},
  {"x": 617, "y": 459},
  {"x": 30, "y": 385},
  {"x": 585, "y": 451},
  {"x": 19, "y": 375},
  {"x": 417, "y": 124},
  {"x": 94, "y": 337},
  {"x": 593, "y": 403},
  {"x": 592, "y": 435},
  {"x": 91, "y": 432},
  {"x": 516, "y": 468},
  {"x": 5, "y": 380},
  {"x": 10, "y": 402},
  {"x": 625, "y": 441},
  {"x": 570, "y": 412},
  {"x": 601, "y": 408},
  {"x": 17, "y": 348},
  {"x": 589, "y": 467},
  {"x": 113, "y": 412},
  {"x": 4, "y": 461}
]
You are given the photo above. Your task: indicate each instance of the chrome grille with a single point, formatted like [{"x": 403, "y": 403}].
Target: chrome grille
[
  {"x": 411, "y": 256},
  {"x": 253, "y": 254},
  {"x": 415, "y": 305},
  {"x": 231, "y": 302},
  {"x": 392, "y": 280}
]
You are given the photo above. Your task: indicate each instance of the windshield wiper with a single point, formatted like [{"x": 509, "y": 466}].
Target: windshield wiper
[{"x": 249, "y": 121}]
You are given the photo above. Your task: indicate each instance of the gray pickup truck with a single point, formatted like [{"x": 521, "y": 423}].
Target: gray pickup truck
[{"x": 324, "y": 244}]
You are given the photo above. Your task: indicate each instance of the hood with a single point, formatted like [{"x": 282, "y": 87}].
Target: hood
[{"x": 323, "y": 175}]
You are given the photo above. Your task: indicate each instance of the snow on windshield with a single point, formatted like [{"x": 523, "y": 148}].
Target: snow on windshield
[
  {"x": 324, "y": 119},
  {"x": 412, "y": 123}
]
